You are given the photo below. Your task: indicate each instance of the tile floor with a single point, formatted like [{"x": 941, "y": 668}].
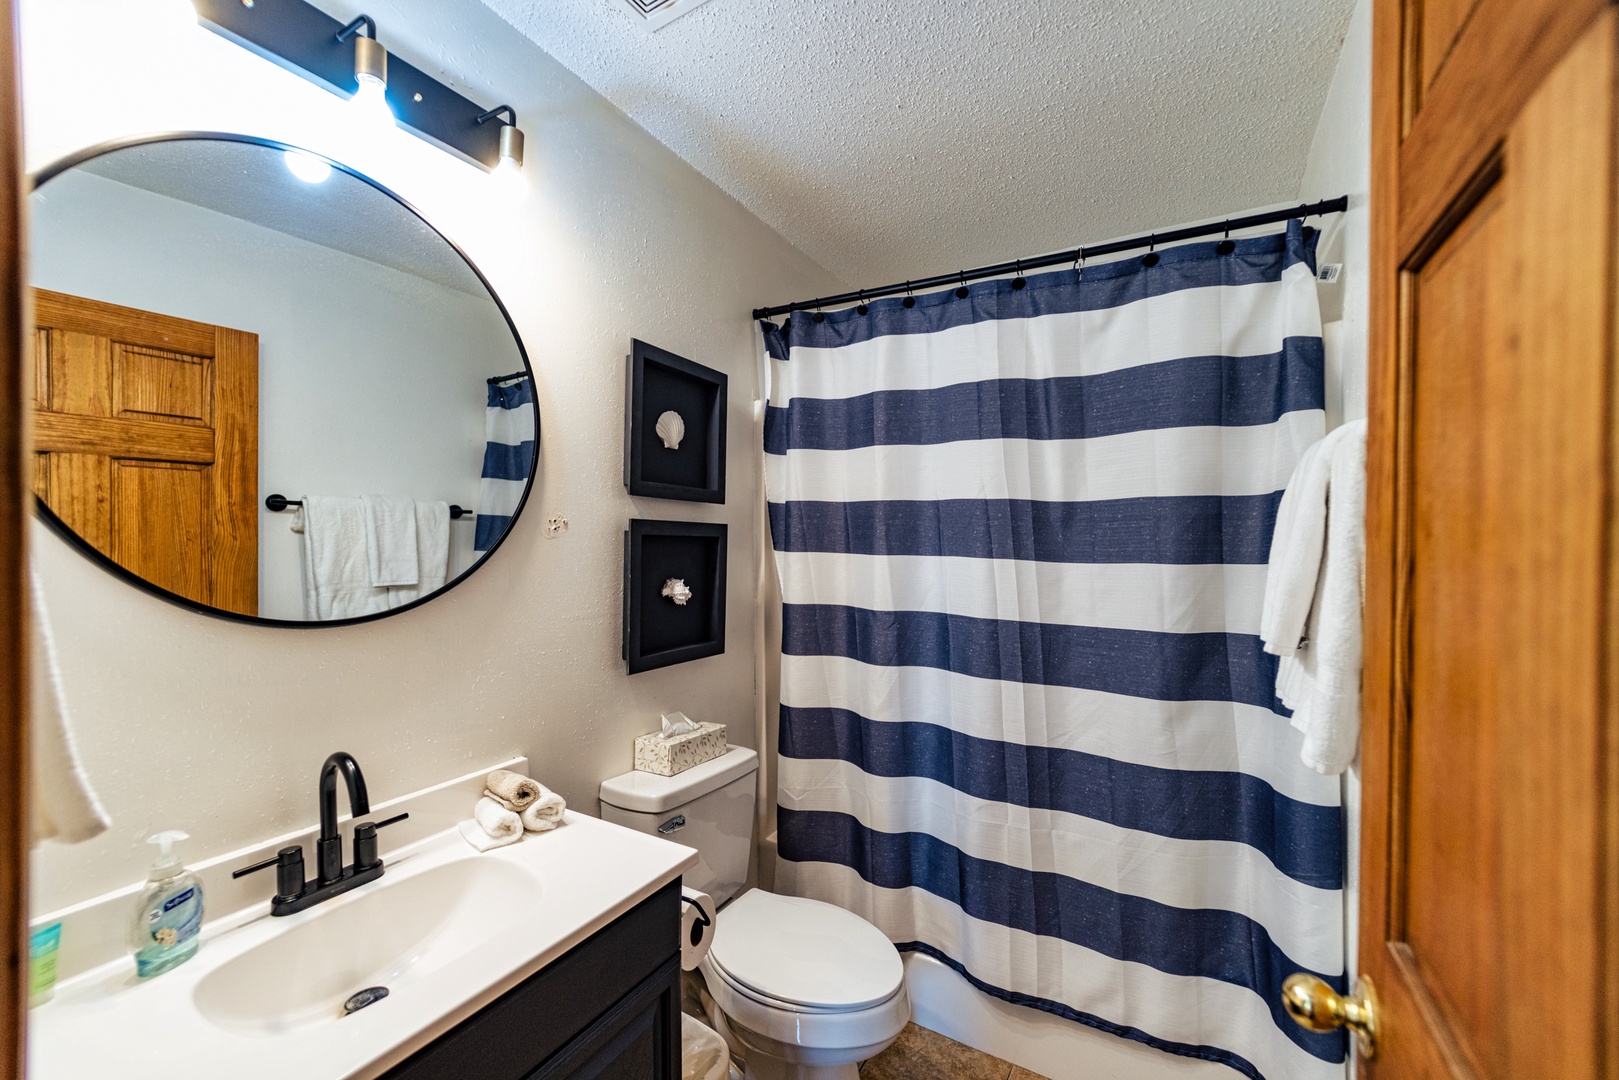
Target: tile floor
[{"x": 920, "y": 1054}]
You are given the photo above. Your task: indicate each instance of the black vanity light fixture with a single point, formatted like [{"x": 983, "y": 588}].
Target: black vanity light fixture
[{"x": 348, "y": 60}]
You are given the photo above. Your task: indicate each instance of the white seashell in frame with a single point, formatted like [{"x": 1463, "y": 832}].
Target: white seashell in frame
[
  {"x": 677, "y": 590},
  {"x": 671, "y": 429}
]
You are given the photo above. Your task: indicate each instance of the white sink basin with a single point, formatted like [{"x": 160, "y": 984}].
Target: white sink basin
[
  {"x": 388, "y": 933},
  {"x": 446, "y": 930}
]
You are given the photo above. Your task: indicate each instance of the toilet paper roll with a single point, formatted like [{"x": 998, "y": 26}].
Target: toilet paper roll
[{"x": 697, "y": 922}]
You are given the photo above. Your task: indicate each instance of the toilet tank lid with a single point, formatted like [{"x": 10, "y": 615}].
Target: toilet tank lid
[{"x": 650, "y": 793}]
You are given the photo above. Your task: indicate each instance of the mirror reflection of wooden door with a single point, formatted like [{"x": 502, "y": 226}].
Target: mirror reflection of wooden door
[
  {"x": 1490, "y": 889},
  {"x": 146, "y": 439}
]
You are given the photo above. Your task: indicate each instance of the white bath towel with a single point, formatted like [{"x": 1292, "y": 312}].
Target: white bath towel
[
  {"x": 432, "y": 554},
  {"x": 337, "y": 574},
  {"x": 1321, "y": 681},
  {"x": 544, "y": 813},
  {"x": 390, "y": 539},
  {"x": 1295, "y": 549},
  {"x": 473, "y": 834},
  {"x": 65, "y": 806},
  {"x": 496, "y": 820}
]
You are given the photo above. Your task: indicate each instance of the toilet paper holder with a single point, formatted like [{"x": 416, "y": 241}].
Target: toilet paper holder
[
  {"x": 702, "y": 923},
  {"x": 697, "y": 916}
]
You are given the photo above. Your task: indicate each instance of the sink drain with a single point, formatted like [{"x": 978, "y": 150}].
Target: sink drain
[{"x": 369, "y": 996}]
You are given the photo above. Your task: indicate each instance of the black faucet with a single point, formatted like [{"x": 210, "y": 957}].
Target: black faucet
[{"x": 332, "y": 878}]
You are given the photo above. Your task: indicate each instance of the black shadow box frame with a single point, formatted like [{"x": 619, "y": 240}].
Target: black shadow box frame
[
  {"x": 658, "y": 381},
  {"x": 657, "y": 631}
]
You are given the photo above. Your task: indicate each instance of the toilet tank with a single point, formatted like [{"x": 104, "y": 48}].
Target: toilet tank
[{"x": 709, "y": 807}]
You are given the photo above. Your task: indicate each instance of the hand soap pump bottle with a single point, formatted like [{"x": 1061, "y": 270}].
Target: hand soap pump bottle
[{"x": 165, "y": 929}]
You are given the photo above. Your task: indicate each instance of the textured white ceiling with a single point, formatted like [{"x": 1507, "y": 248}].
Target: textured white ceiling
[
  {"x": 252, "y": 183},
  {"x": 890, "y": 140}
]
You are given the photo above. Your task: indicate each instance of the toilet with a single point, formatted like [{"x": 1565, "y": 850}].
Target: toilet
[{"x": 799, "y": 989}]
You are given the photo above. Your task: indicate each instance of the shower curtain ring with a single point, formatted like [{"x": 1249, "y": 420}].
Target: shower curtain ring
[
  {"x": 909, "y": 301},
  {"x": 961, "y": 293},
  {"x": 1018, "y": 282},
  {"x": 862, "y": 307},
  {"x": 1079, "y": 263}
]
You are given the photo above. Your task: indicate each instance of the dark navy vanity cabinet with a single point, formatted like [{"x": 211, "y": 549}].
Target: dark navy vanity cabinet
[{"x": 607, "y": 1010}]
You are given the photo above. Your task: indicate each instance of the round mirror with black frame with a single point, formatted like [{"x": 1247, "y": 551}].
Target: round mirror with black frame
[{"x": 265, "y": 388}]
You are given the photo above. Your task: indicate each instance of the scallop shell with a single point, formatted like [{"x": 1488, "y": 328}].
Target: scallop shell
[
  {"x": 671, "y": 429},
  {"x": 677, "y": 590}
]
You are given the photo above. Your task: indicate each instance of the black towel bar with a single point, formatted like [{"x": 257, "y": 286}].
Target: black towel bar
[{"x": 281, "y": 502}]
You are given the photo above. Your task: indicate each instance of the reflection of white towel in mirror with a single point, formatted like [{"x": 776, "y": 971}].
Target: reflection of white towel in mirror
[
  {"x": 65, "y": 807},
  {"x": 337, "y": 563},
  {"x": 390, "y": 539},
  {"x": 432, "y": 554},
  {"x": 337, "y": 575}
]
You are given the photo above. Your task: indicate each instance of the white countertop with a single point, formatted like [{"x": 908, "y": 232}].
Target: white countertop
[{"x": 108, "y": 1024}]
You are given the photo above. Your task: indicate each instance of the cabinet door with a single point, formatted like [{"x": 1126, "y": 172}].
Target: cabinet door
[{"x": 637, "y": 1039}]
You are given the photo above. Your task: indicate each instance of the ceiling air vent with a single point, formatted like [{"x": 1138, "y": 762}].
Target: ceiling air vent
[{"x": 656, "y": 14}]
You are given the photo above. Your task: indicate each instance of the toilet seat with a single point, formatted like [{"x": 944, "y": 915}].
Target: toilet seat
[
  {"x": 804, "y": 955},
  {"x": 804, "y": 974}
]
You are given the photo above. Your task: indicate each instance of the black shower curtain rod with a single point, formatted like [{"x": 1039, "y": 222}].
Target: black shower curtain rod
[{"x": 1190, "y": 232}]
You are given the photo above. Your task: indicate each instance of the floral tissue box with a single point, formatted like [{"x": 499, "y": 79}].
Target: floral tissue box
[{"x": 671, "y": 754}]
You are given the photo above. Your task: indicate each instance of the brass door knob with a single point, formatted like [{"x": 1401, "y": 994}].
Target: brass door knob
[{"x": 1319, "y": 1007}]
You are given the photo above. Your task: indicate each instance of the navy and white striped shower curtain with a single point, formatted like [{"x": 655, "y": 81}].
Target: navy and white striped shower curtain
[
  {"x": 508, "y": 457},
  {"x": 1026, "y": 723}
]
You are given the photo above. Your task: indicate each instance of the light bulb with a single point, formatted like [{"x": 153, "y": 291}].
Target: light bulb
[
  {"x": 509, "y": 180},
  {"x": 307, "y": 167},
  {"x": 370, "y": 101}
]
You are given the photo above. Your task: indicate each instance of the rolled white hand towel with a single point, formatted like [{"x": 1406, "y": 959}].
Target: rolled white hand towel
[
  {"x": 473, "y": 834},
  {"x": 496, "y": 820},
  {"x": 512, "y": 790},
  {"x": 545, "y": 813}
]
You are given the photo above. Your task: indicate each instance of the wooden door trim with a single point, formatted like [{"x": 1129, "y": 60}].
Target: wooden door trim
[
  {"x": 16, "y": 497},
  {"x": 132, "y": 326},
  {"x": 235, "y": 563},
  {"x": 142, "y": 439},
  {"x": 1464, "y": 115}
]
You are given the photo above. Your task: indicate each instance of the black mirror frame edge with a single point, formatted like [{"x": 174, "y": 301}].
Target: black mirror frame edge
[{"x": 78, "y": 543}]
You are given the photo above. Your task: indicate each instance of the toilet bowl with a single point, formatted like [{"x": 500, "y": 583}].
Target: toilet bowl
[{"x": 799, "y": 989}]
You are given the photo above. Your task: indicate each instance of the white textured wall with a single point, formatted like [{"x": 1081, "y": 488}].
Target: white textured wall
[
  {"x": 219, "y": 729},
  {"x": 391, "y": 404}
]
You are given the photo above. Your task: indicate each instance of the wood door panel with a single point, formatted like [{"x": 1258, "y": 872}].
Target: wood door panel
[
  {"x": 1452, "y": 841},
  {"x": 81, "y": 492},
  {"x": 78, "y": 374},
  {"x": 1439, "y": 24},
  {"x": 153, "y": 383},
  {"x": 170, "y": 549},
  {"x": 1506, "y": 49},
  {"x": 1487, "y": 830},
  {"x": 150, "y": 427}
]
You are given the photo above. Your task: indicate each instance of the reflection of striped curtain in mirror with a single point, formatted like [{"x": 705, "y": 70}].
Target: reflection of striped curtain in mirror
[{"x": 508, "y": 457}]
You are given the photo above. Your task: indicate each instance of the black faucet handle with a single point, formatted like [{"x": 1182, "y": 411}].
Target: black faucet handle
[
  {"x": 289, "y": 871},
  {"x": 365, "y": 841}
]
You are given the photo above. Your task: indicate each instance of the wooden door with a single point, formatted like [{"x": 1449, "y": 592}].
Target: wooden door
[
  {"x": 146, "y": 443},
  {"x": 1488, "y": 872}
]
